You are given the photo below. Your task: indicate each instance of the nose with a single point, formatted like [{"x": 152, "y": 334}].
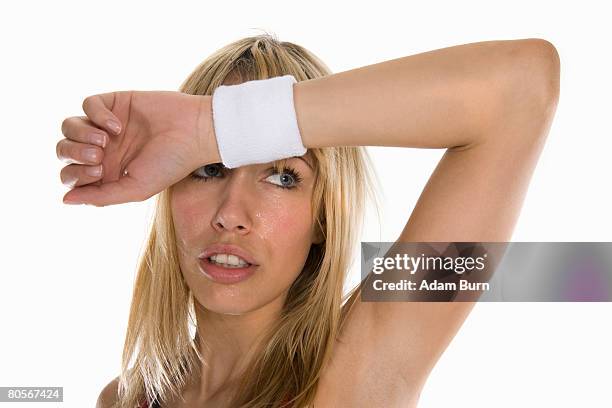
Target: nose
[{"x": 233, "y": 214}]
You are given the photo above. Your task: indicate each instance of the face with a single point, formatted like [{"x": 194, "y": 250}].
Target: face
[{"x": 267, "y": 214}]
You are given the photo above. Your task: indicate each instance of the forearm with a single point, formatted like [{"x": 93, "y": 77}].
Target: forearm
[{"x": 438, "y": 99}]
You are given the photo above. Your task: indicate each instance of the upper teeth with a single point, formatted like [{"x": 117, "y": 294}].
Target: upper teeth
[{"x": 228, "y": 259}]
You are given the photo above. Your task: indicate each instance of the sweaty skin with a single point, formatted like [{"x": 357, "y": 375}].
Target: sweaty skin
[
  {"x": 243, "y": 206},
  {"x": 489, "y": 104}
]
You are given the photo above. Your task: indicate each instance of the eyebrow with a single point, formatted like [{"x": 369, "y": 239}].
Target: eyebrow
[
  {"x": 292, "y": 157},
  {"x": 304, "y": 160}
]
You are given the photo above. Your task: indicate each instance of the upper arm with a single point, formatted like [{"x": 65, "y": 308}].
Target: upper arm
[
  {"x": 474, "y": 194},
  {"x": 108, "y": 395}
]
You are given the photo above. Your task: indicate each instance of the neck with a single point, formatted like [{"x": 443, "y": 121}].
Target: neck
[{"x": 227, "y": 343}]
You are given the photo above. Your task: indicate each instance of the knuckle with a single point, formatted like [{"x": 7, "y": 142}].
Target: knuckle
[{"x": 86, "y": 102}]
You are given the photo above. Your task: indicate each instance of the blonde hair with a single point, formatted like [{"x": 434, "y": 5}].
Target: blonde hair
[{"x": 159, "y": 352}]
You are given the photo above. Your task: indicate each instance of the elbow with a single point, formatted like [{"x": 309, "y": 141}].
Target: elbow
[
  {"x": 539, "y": 73},
  {"x": 547, "y": 72},
  {"x": 529, "y": 86},
  {"x": 526, "y": 90}
]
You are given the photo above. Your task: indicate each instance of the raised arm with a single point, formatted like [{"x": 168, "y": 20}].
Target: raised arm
[
  {"x": 446, "y": 98},
  {"x": 491, "y": 105}
]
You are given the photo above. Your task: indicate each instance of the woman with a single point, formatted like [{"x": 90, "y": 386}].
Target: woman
[{"x": 284, "y": 335}]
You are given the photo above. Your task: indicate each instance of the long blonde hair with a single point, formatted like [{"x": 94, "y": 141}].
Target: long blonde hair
[{"x": 160, "y": 354}]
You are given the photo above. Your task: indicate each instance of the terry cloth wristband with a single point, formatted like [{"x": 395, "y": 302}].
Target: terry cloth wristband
[{"x": 255, "y": 121}]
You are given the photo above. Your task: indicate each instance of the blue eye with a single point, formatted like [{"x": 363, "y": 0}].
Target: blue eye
[
  {"x": 287, "y": 176},
  {"x": 288, "y": 179},
  {"x": 210, "y": 170}
]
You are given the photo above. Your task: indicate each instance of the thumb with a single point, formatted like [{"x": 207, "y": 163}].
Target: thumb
[
  {"x": 98, "y": 109},
  {"x": 124, "y": 190}
]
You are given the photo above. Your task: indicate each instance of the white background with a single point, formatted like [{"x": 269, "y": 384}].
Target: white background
[{"x": 67, "y": 271}]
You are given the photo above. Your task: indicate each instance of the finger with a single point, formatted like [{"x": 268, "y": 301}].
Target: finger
[
  {"x": 75, "y": 175},
  {"x": 125, "y": 190},
  {"x": 79, "y": 153},
  {"x": 98, "y": 109},
  {"x": 81, "y": 129}
]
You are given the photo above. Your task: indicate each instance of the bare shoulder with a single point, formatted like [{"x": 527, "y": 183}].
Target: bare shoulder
[{"x": 108, "y": 395}]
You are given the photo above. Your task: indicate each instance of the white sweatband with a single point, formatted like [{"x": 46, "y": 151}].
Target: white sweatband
[{"x": 255, "y": 121}]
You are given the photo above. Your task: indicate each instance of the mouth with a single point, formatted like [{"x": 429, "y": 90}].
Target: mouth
[
  {"x": 229, "y": 260},
  {"x": 226, "y": 273},
  {"x": 228, "y": 254}
]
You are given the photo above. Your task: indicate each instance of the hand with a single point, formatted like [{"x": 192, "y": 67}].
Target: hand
[{"x": 163, "y": 137}]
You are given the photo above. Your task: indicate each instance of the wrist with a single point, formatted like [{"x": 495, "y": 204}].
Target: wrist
[
  {"x": 255, "y": 122},
  {"x": 207, "y": 140}
]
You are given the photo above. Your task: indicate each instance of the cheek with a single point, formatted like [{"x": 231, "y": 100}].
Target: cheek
[
  {"x": 288, "y": 220},
  {"x": 190, "y": 217},
  {"x": 286, "y": 231}
]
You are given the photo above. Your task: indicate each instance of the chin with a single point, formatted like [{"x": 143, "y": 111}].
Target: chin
[
  {"x": 233, "y": 299},
  {"x": 230, "y": 310},
  {"x": 228, "y": 300}
]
